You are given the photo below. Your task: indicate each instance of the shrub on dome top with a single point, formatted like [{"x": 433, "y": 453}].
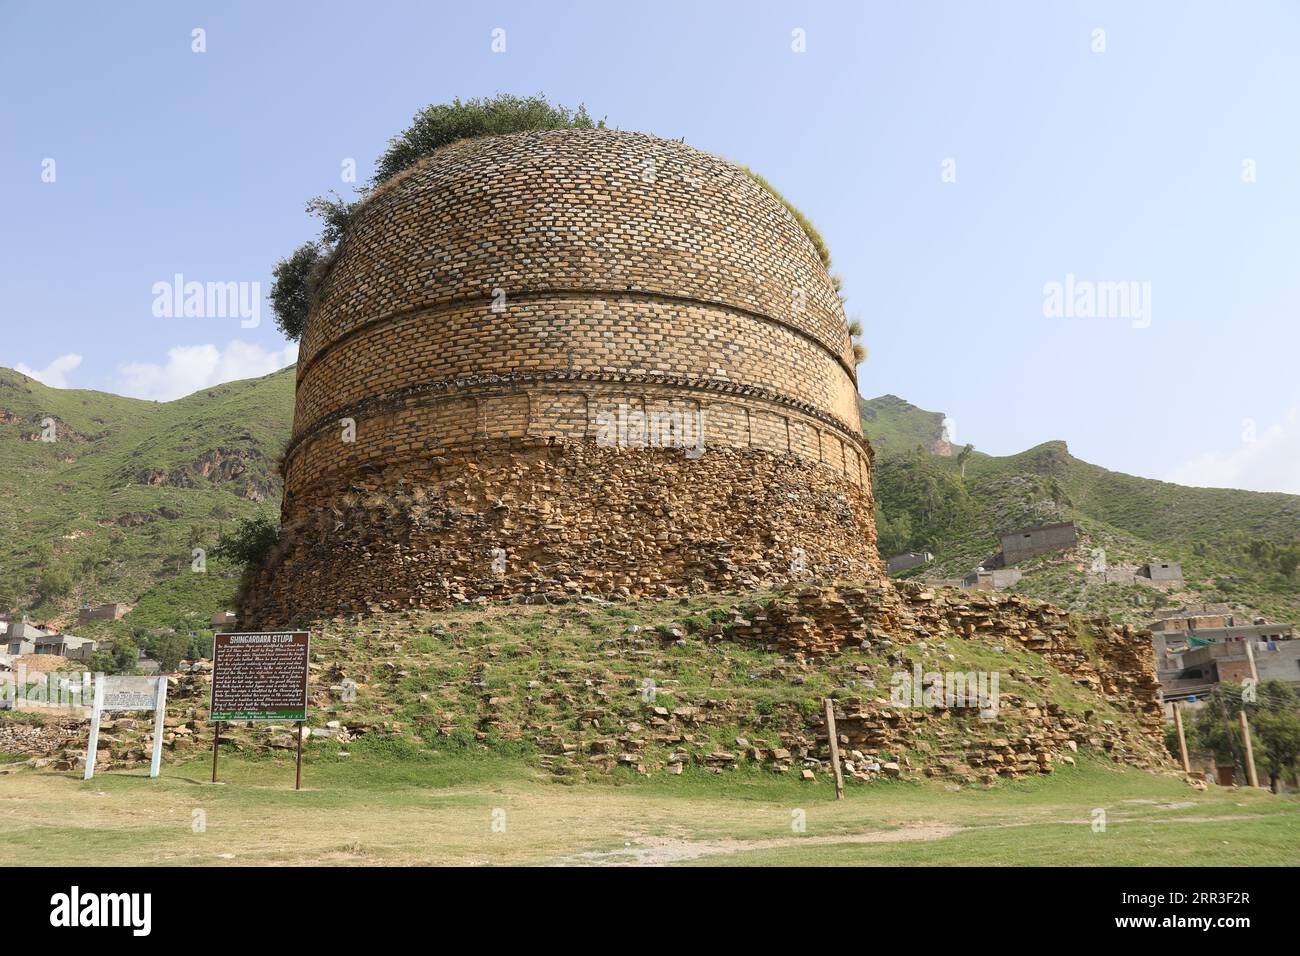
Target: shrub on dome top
[{"x": 436, "y": 126}]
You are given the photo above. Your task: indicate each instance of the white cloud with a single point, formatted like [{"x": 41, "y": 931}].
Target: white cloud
[
  {"x": 55, "y": 375},
  {"x": 1268, "y": 459},
  {"x": 192, "y": 367}
]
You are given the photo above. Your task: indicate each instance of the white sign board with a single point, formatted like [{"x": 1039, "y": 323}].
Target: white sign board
[{"x": 129, "y": 693}]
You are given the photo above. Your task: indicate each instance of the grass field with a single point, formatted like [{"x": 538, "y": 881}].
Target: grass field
[{"x": 373, "y": 809}]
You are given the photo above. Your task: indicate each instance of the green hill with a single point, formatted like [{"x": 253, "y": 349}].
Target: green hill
[
  {"x": 111, "y": 508},
  {"x": 1236, "y": 547},
  {"x": 896, "y": 426}
]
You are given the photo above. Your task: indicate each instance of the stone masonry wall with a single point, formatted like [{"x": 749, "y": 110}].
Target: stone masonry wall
[
  {"x": 1112, "y": 661},
  {"x": 533, "y": 519}
]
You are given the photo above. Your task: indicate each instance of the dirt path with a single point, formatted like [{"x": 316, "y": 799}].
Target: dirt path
[
  {"x": 662, "y": 851},
  {"x": 657, "y": 851}
]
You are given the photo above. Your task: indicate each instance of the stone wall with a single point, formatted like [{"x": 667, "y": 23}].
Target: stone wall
[
  {"x": 582, "y": 708},
  {"x": 1114, "y": 662},
  {"x": 532, "y": 519}
]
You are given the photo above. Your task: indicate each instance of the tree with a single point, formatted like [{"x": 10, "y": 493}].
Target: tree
[
  {"x": 291, "y": 290},
  {"x": 893, "y": 533},
  {"x": 1289, "y": 560},
  {"x": 54, "y": 583},
  {"x": 114, "y": 656},
  {"x": 1213, "y": 729},
  {"x": 296, "y": 277},
  {"x": 1274, "y": 718},
  {"x": 962, "y": 457},
  {"x": 170, "y": 650},
  {"x": 1275, "y": 724},
  {"x": 250, "y": 541}
]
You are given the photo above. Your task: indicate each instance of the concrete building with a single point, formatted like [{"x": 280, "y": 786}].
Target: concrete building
[
  {"x": 1027, "y": 543},
  {"x": 908, "y": 559},
  {"x": 101, "y": 612},
  {"x": 1163, "y": 572},
  {"x": 66, "y": 645},
  {"x": 17, "y": 646},
  {"x": 1231, "y": 662},
  {"x": 22, "y": 633},
  {"x": 998, "y": 579},
  {"x": 1195, "y": 653}
]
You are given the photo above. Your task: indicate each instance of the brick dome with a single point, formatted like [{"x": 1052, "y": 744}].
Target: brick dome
[{"x": 582, "y": 305}]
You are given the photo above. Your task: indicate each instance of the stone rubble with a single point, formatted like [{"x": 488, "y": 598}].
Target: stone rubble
[{"x": 578, "y": 721}]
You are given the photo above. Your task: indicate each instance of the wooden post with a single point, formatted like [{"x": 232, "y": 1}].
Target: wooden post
[
  {"x": 297, "y": 782},
  {"x": 1250, "y": 753},
  {"x": 216, "y": 738},
  {"x": 835, "y": 749},
  {"x": 1182, "y": 741}
]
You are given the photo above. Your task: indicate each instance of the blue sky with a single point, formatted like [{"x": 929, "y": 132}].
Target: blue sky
[{"x": 1120, "y": 165}]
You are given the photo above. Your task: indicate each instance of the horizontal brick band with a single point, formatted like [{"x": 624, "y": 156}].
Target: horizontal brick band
[
  {"x": 660, "y": 342},
  {"x": 483, "y": 305},
  {"x": 438, "y": 417}
]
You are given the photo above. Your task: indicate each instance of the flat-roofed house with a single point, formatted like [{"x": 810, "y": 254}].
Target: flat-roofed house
[{"x": 1027, "y": 543}]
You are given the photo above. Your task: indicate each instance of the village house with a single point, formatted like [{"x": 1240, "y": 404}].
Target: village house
[
  {"x": 999, "y": 579},
  {"x": 1027, "y": 543},
  {"x": 908, "y": 559},
  {"x": 102, "y": 612},
  {"x": 1196, "y": 652},
  {"x": 1162, "y": 572},
  {"x": 23, "y": 637},
  {"x": 66, "y": 645}
]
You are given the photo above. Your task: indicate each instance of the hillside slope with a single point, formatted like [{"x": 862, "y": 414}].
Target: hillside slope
[
  {"x": 1237, "y": 547},
  {"x": 116, "y": 501},
  {"x": 111, "y": 510}
]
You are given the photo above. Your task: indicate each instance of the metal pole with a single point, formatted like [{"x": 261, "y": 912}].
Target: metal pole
[
  {"x": 216, "y": 738},
  {"x": 1182, "y": 741},
  {"x": 297, "y": 783}
]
